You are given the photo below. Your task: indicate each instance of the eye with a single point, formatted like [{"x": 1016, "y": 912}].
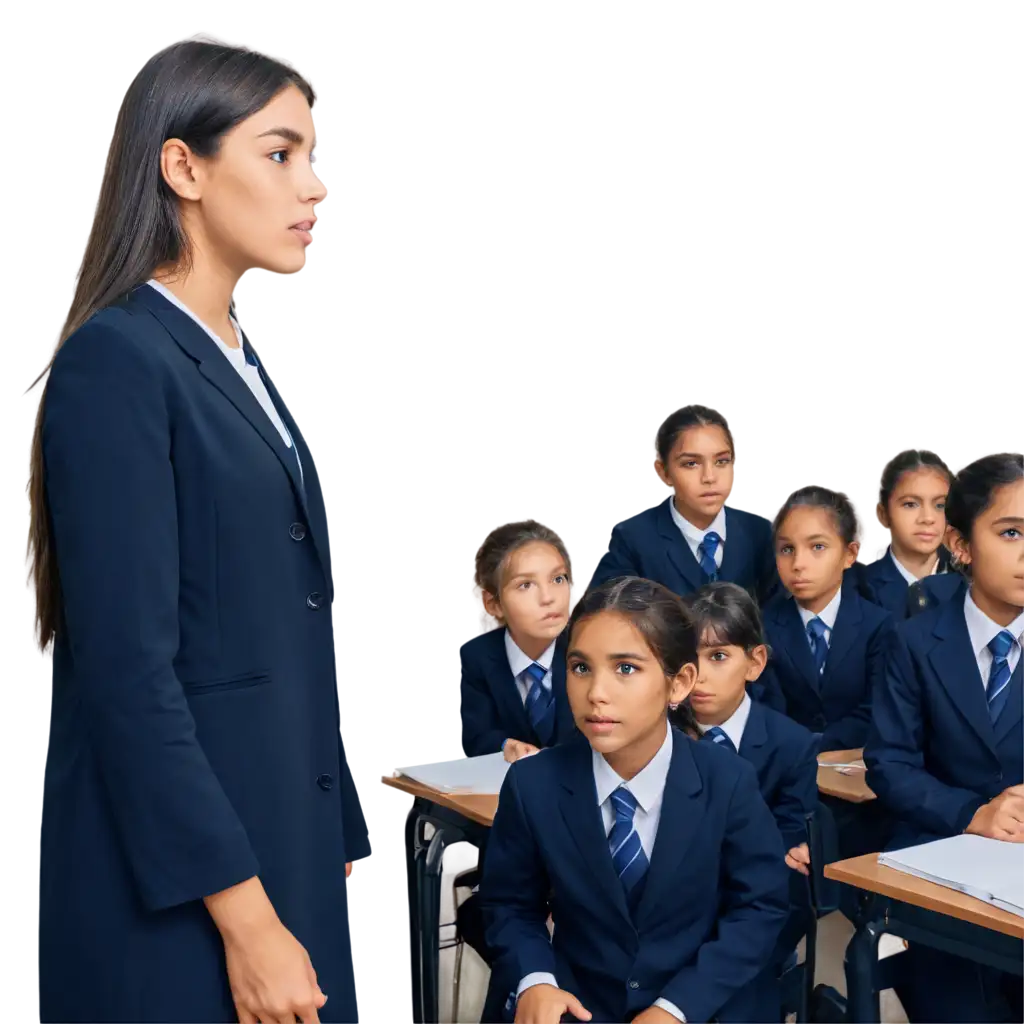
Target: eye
[
  {"x": 941, "y": 505},
  {"x": 562, "y": 578},
  {"x": 786, "y": 549},
  {"x": 818, "y": 546},
  {"x": 689, "y": 464},
  {"x": 280, "y": 153},
  {"x": 724, "y": 462},
  {"x": 624, "y": 668},
  {"x": 718, "y": 656},
  {"x": 910, "y": 504},
  {"x": 525, "y": 584},
  {"x": 312, "y": 158},
  {"x": 1011, "y": 533},
  {"x": 578, "y": 668}
]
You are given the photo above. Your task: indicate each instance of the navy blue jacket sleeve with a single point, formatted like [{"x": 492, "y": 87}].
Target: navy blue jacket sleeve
[
  {"x": 619, "y": 560},
  {"x": 514, "y": 891},
  {"x": 894, "y": 754},
  {"x": 798, "y": 794},
  {"x": 481, "y": 730},
  {"x": 110, "y": 483},
  {"x": 754, "y": 907},
  {"x": 851, "y": 731},
  {"x": 357, "y": 837}
]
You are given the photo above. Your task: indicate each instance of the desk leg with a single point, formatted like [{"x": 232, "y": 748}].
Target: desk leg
[
  {"x": 862, "y": 972},
  {"x": 430, "y": 923},
  {"x": 412, "y": 869}
]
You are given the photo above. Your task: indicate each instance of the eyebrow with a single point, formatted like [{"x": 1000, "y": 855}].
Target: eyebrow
[
  {"x": 289, "y": 134},
  {"x": 697, "y": 455},
  {"x": 1015, "y": 520},
  {"x": 626, "y": 655}
]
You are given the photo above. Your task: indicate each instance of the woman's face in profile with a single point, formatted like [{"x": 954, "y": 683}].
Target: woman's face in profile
[{"x": 256, "y": 195}]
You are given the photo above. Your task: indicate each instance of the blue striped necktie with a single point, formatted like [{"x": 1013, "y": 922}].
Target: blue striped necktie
[
  {"x": 540, "y": 704},
  {"x": 706, "y": 550},
  {"x": 627, "y": 851},
  {"x": 819, "y": 645},
  {"x": 717, "y": 735},
  {"x": 998, "y": 689}
]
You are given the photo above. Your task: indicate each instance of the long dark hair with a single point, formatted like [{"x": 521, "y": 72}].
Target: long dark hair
[
  {"x": 974, "y": 488},
  {"x": 658, "y": 615},
  {"x": 195, "y": 91}
]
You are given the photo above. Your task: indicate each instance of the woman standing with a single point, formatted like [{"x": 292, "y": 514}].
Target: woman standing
[{"x": 199, "y": 815}]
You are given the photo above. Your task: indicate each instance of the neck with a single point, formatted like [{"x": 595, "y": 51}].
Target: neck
[
  {"x": 998, "y": 611},
  {"x": 632, "y": 759},
  {"x": 819, "y": 604},
  {"x": 532, "y": 647},
  {"x": 721, "y": 716},
  {"x": 206, "y": 289},
  {"x": 702, "y": 522},
  {"x": 920, "y": 565}
]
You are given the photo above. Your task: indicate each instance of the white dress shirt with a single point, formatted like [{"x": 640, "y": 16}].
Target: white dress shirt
[
  {"x": 694, "y": 537},
  {"x": 236, "y": 357},
  {"x": 519, "y": 663},
  {"x": 828, "y": 615},
  {"x": 981, "y": 629},
  {"x": 734, "y": 725},
  {"x": 648, "y": 787},
  {"x": 905, "y": 572}
]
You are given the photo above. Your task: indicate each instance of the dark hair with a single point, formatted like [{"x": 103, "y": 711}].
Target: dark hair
[
  {"x": 493, "y": 555},
  {"x": 195, "y": 91},
  {"x": 908, "y": 462},
  {"x": 834, "y": 502},
  {"x": 682, "y": 420},
  {"x": 728, "y": 613},
  {"x": 974, "y": 487},
  {"x": 660, "y": 617}
]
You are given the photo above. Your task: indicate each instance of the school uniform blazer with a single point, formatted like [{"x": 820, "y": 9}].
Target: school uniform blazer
[
  {"x": 650, "y": 545},
  {"x": 784, "y": 755},
  {"x": 935, "y": 590},
  {"x": 934, "y": 756},
  {"x": 492, "y": 710},
  {"x": 882, "y": 583},
  {"x": 837, "y": 703},
  {"x": 194, "y": 735},
  {"x": 714, "y": 901}
]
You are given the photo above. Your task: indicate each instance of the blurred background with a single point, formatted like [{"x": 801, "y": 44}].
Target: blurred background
[{"x": 549, "y": 225}]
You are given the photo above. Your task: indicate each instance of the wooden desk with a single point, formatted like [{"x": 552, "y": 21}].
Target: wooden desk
[
  {"x": 923, "y": 912},
  {"x": 480, "y": 809},
  {"x": 852, "y": 788}
]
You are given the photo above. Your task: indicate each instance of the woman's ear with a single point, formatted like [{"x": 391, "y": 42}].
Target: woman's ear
[
  {"x": 492, "y": 605},
  {"x": 959, "y": 547},
  {"x": 178, "y": 167},
  {"x": 852, "y": 551},
  {"x": 757, "y": 661},
  {"x": 659, "y": 468},
  {"x": 682, "y": 683},
  {"x": 883, "y": 515}
]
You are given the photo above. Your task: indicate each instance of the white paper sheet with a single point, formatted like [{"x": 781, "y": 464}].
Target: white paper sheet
[{"x": 483, "y": 775}]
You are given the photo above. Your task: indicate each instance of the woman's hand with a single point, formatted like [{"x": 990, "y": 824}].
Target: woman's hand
[
  {"x": 799, "y": 859},
  {"x": 271, "y": 977},
  {"x": 348, "y": 869},
  {"x": 655, "y": 1015},
  {"x": 515, "y": 749},
  {"x": 545, "y": 1004}
]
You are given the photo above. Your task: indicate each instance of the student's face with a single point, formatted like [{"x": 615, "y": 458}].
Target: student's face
[
  {"x": 916, "y": 515},
  {"x": 995, "y": 553},
  {"x": 534, "y": 600},
  {"x": 811, "y": 556},
  {"x": 618, "y": 692},
  {"x": 699, "y": 470},
  {"x": 722, "y": 676},
  {"x": 243, "y": 203}
]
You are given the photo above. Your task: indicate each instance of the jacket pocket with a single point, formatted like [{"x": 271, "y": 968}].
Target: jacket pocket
[{"x": 242, "y": 682}]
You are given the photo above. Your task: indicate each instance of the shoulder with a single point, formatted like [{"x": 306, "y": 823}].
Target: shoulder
[
  {"x": 484, "y": 645},
  {"x": 874, "y": 616},
  {"x": 934, "y": 590},
  {"x": 784, "y": 732},
  {"x": 642, "y": 522},
  {"x": 533, "y": 776},
  {"x": 748, "y": 521},
  {"x": 778, "y": 608},
  {"x": 720, "y": 769},
  {"x": 917, "y": 631}
]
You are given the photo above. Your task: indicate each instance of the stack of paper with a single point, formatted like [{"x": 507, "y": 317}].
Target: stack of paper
[
  {"x": 987, "y": 869},
  {"x": 483, "y": 775}
]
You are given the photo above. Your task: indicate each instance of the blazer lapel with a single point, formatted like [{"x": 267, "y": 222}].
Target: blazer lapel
[
  {"x": 504, "y": 689},
  {"x": 755, "y": 735},
  {"x": 678, "y": 826},
  {"x": 1009, "y": 719},
  {"x": 954, "y": 663},
  {"x": 582, "y": 815},
  {"x": 846, "y": 631},
  {"x": 796, "y": 646},
  {"x": 736, "y": 549},
  {"x": 677, "y": 550}
]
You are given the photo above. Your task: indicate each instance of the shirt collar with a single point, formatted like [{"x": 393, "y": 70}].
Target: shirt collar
[
  {"x": 647, "y": 785},
  {"x": 519, "y": 662},
  {"x": 828, "y": 614},
  {"x": 734, "y": 725},
  {"x": 172, "y": 298},
  {"x": 905, "y": 572},
  {"x": 982, "y": 629},
  {"x": 694, "y": 536}
]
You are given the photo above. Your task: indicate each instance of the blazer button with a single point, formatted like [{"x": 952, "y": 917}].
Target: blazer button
[
  {"x": 324, "y": 781},
  {"x": 297, "y": 531},
  {"x": 315, "y": 600},
  {"x": 633, "y": 983}
]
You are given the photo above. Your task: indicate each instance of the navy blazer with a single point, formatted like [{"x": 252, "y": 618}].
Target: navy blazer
[
  {"x": 836, "y": 704},
  {"x": 194, "y": 733},
  {"x": 784, "y": 755},
  {"x": 492, "y": 710},
  {"x": 934, "y": 756},
  {"x": 650, "y": 545},
  {"x": 881, "y": 583},
  {"x": 935, "y": 590},
  {"x": 714, "y": 902}
]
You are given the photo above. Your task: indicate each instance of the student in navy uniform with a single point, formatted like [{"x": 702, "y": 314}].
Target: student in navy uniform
[
  {"x": 693, "y": 537},
  {"x": 513, "y": 677},
  {"x": 783, "y": 753},
  {"x": 655, "y": 855},
  {"x": 912, "y": 507},
  {"x": 946, "y": 751},
  {"x": 199, "y": 814},
  {"x": 826, "y": 640}
]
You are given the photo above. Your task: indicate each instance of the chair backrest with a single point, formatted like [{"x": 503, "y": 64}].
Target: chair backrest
[{"x": 823, "y": 844}]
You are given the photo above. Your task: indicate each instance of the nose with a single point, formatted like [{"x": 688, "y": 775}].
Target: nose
[
  {"x": 313, "y": 189},
  {"x": 926, "y": 515},
  {"x": 595, "y": 692},
  {"x": 547, "y": 594},
  {"x": 708, "y": 473}
]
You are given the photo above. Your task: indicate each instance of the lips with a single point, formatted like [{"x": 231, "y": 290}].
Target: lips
[
  {"x": 303, "y": 229},
  {"x": 600, "y": 726}
]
